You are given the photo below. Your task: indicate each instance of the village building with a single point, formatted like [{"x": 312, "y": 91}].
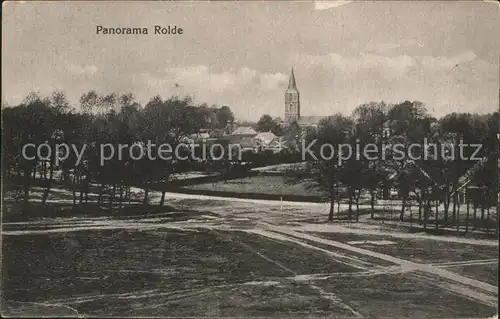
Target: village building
[{"x": 293, "y": 107}]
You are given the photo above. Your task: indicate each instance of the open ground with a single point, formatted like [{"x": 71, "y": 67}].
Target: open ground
[{"x": 208, "y": 256}]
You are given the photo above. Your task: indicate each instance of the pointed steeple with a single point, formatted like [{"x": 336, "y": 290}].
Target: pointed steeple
[
  {"x": 292, "y": 100},
  {"x": 292, "y": 85}
]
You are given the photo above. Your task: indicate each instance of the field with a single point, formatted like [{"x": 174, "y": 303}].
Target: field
[
  {"x": 280, "y": 187},
  {"x": 205, "y": 256},
  {"x": 276, "y": 185}
]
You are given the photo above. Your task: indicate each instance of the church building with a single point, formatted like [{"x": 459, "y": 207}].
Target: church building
[
  {"x": 292, "y": 100},
  {"x": 292, "y": 107}
]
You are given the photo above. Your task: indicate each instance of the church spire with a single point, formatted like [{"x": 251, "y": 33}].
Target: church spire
[
  {"x": 292, "y": 100},
  {"x": 292, "y": 85}
]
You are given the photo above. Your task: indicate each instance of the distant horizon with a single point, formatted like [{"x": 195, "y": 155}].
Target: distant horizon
[
  {"x": 75, "y": 105},
  {"x": 255, "y": 120},
  {"x": 240, "y": 54}
]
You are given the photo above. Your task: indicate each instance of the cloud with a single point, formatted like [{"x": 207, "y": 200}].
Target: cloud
[
  {"x": 249, "y": 92},
  {"x": 324, "y": 5},
  {"x": 81, "y": 70},
  {"x": 381, "y": 47},
  {"x": 447, "y": 63},
  {"x": 363, "y": 61},
  {"x": 272, "y": 81},
  {"x": 461, "y": 82},
  {"x": 199, "y": 78},
  {"x": 391, "y": 65}
]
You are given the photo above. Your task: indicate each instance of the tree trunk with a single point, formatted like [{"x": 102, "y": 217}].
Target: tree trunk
[
  {"x": 437, "y": 214},
  {"x": 467, "y": 217},
  {"x": 446, "y": 208},
  {"x": 419, "y": 212},
  {"x": 474, "y": 216},
  {"x": 420, "y": 202},
  {"x": 332, "y": 205},
  {"x": 426, "y": 213},
  {"x": 99, "y": 196},
  {"x": 80, "y": 182},
  {"x": 74, "y": 191},
  {"x": 86, "y": 188},
  {"x": 411, "y": 213},
  {"x": 112, "y": 196},
  {"x": 488, "y": 219},
  {"x": 446, "y": 203},
  {"x": 457, "y": 214},
  {"x": 357, "y": 206},
  {"x": 45, "y": 170},
  {"x": 403, "y": 207},
  {"x": 497, "y": 220},
  {"x": 120, "y": 200},
  {"x": 146, "y": 195},
  {"x": 49, "y": 185},
  {"x": 350, "y": 204},
  {"x": 34, "y": 172},
  {"x": 162, "y": 200},
  {"x": 455, "y": 199}
]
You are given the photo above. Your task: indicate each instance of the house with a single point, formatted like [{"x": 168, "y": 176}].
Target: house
[
  {"x": 244, "y": 130},
  {"x": 269, "y": 141},
  {"x": 265, "y": 138},
  {"x": 309, "y": 121},
  {"x": 216, "y": 133},
  {"x": 200, "y": 136}
]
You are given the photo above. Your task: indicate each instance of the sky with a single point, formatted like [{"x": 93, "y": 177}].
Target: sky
[{"x": 344, "y": 53}]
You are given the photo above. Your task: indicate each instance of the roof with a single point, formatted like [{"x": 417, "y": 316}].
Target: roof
[
  {"x": 292, "y": 85},
  {"x": 244, "y": 130},
  {"x": 198, "y": 136},
  {"x": 265, "y": 137},
  {"x": 310, "y": 120},
  {"x": 245, "y": 141},
  {"x": 203, "y": 135},
  {"x": 217, "y": 132}
]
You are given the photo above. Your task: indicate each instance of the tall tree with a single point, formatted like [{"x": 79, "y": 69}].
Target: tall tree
[{"x": 267, "y": 124}]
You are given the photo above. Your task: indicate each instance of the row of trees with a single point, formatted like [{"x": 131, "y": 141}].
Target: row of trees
[
  {"x": 101, "y": 120},
  {"x": 439, "y": 181},
  {"x": 266, "y": 123},
  {"x": 433, "y": 181}
]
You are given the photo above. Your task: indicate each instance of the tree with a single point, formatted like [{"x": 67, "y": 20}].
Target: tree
[
  {"x": 370, "y": 120},
  {"x": 224, "y": 117},
  {"x": 322, "y": 170},
  {"x": 33, "y": 122},
  {"x": 89, "y": 101},
  {"x": 267, "y": 124}
]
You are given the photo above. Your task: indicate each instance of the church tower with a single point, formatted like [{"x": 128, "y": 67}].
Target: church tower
[{"x": 292, "y": 100}]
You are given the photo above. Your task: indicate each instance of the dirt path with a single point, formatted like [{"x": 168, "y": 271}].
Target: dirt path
[{"x": 277, "y": 232}]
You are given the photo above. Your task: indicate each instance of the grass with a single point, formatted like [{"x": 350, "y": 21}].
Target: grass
[
  {"x": 202, "y": 272},
  {"x": 276, "y": 185},
  {"x": 419, "y": 250},
  {"x": 73, "y": 267},
  {"x": 487, "y": 272},
  {"x": 211, "y": 273},
  {"x": 404, "y": 296},
  {"x": 17, "y": 212}
]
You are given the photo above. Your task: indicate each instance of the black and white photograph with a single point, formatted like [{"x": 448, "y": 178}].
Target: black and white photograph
[{"x": 250, "y": 159}]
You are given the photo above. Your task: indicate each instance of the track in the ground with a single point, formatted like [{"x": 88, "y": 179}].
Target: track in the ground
[{"x": 243, "y": 218}]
